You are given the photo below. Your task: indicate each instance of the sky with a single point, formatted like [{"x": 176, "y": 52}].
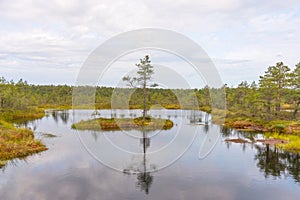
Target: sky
[{"x": 47, "y": 42}]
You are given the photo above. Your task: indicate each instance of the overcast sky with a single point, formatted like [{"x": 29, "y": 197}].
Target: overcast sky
[{"x": 46, "y": 42}]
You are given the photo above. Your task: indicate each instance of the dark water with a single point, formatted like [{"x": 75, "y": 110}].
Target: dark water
[{"x": 68, "y": 171}]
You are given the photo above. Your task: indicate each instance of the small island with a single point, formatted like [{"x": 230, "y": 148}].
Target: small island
[
  {"x": 124, "y": 123},
  {"x": 267, "y": 107},
  {"x": 142, "y": 80}
]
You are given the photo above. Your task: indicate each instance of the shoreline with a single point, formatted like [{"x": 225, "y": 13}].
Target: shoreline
[
  {"x": 123, "y": 123},
  {"x": 281, "y": 130},
  {"x": 282, "y": 133},
  {"x": 17, "y": 143}
]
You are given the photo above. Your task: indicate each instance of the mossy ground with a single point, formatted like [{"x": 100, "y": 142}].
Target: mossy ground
[
  {"x": 17, "y": 143},
  {"x": 276, "y": 129},
  {"x": 293, "y": 141},
  {"x": 21, "y": 115},
  {"x": 123, "y": 123}
]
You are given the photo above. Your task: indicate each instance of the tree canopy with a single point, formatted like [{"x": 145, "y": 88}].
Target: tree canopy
[{"x": 276, "y": 96}]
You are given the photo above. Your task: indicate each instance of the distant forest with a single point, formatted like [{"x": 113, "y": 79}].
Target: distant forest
[{"x": 275, "y": 96}]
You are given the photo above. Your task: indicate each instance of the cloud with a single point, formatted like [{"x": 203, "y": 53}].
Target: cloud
[{"x": 60, "y": 34}]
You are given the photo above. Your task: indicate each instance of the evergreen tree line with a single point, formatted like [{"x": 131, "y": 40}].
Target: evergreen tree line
[
  {"x": 275, "y": 96},
  {"x": 24, "y": 96}
]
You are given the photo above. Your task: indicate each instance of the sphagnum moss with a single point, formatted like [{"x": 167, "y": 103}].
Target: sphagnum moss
[
  {"x": 17, "y": 143},
  {"x": 123, "y": 123}
]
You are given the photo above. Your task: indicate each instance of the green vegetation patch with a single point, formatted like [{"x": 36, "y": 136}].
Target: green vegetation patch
[
  {"x": 282, "y": 133},
  {"x": 17, "y": 143},
  {"x": 260, "y": 125},
  {"x": 12, "y": 115},
  {"x": 292, "y": 144},
  {"x": 124, "y": 123}
]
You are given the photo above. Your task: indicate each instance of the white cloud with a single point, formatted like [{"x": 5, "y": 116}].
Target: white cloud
[{"x": 60, "y": 34}]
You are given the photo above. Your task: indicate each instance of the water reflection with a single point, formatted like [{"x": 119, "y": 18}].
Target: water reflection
[
  {"x": 206, "y": 128},
  {"x": 54, "y": 115},
  {"x": 14, "y": 163},
  {"x": 64, "y": 116},
  {"x": 277, "y": 163},
  {"x": 271, "y": 161},
  {"x": 230, "y": 132},
  {"x": 32, "y": 124},
  {"x": 67, "y": 171},
  {"x": 198, "y": 117},
  {"x": 58, "y": 115},
  {"x": 144, "y": 182},
  {"x": 144, "y": 177}
]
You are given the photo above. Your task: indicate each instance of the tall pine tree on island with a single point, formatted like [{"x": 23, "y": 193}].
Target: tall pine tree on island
[{"x": 142, "y": 80}]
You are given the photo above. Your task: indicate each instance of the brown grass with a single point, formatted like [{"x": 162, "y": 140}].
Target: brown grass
[
  {"x": 17, "y": 143},
  {"x": 123, "y": 123}
]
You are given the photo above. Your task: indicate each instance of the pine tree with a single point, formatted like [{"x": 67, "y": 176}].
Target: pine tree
[
  {"x": 295, "y": 84},
  {"x": 272, "y": 84},
  {"x": 142, "y": 80}
]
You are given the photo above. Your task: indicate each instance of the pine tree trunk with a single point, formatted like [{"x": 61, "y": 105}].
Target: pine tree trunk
[
  {"x": 145, "y": 103},
  {"x": 296, "y": 110},
  {"x": 2, "y": 102},
  {"x": 278, "y": 108},
  {"x": 268, "y": 111}
]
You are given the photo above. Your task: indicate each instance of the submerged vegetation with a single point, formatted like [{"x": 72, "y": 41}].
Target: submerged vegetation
[{"x": 124, "y": 123}]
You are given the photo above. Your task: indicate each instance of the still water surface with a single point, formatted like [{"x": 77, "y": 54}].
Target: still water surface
[{"x": 68, "y": 171}]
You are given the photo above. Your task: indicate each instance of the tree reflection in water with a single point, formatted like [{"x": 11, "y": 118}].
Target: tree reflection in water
[
  {"x": 271, "y": 161},
  {"x": 54, "y": 116},
  {"x": 277, "y": 163},
  {"x": 64, "y": 116},
  {"x": 144, "y": 182},
  {"x": 144, "y": 177}
]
